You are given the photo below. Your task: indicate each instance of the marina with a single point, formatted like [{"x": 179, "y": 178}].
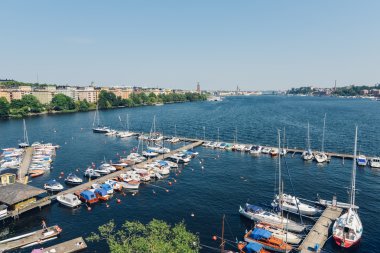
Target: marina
[{"x": 210, "y": 162}]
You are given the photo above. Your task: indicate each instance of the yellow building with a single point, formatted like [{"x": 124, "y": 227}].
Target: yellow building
[
  {"x": 5, "y": 94},
  {"x": 90, "y": 95},
  {"x": 44, "y": 96},
  {"x": 124, "y": 93},
  {"x": 7, "y": 178},
  {"x": 26, "y": 88}
]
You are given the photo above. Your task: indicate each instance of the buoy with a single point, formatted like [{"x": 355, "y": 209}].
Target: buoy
[
  {"x": 118, "y": 201},
  {"x": 215, "y": 238},
  {"x": 153, "y": 192},
  {"x": 107, "y": 205},
  {"x": 62, "y": 173},
  {"x": 192, "y": 214},
  {"x": 203, "y": 167},
  {"x": 89, "y": 208},
  {"x": 192, "y": 169},
  {"x": 170, "y": 183},
  {"x": 175, "y": 181},
  {"x": 167, "y": 190}
]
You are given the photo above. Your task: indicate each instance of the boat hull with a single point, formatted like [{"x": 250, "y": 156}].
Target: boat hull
[{"x": 345, "y": 243}]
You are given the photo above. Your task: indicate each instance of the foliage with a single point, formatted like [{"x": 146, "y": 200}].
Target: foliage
[
  {"x": 27, "y": 103},
  {"x": 4, "y": 107},
  {"x": 107, "y": 100},
  {"x": 82, "y": 106},
  {"x": 156, "y": 237},
  {"x": 301, "y": 90},
  {"x": 62, "y": 102}
]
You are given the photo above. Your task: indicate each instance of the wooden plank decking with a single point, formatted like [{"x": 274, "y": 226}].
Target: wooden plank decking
[
  {"x": 71, "y": 246},
  {"x": 320, "y": 231},
  {"x": 25, "y": 164}
]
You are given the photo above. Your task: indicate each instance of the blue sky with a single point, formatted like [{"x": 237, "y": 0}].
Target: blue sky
[{"x": 257, "y": 45}]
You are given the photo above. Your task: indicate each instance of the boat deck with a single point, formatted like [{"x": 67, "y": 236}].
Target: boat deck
[
  {"x": 320, "y": 231},
  {"x": 34, "y": 237},
  {"x": 73, "y": 245},
  {"x": 102, "y": 179},
  {"x": 25, "y": 164}
]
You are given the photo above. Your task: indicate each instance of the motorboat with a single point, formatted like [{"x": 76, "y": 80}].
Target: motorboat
[
  {"x": 130, "y": 180},
  {"x": 375, "y": 162},
  {"x": 265, "y": 150},
  {"x": 159, "y": 150},
  {"x": 101, "y": 129},
  {"x": 88, "y": 197},
  {"x": 247, "y": 148},
  {"x": 69, "y": 200},
  {"x": 348, "y": 228},
  {"x": 320, "y": 157},
  {"x": 101, "y": 194},
  {"x": 174, "y": 140},
  {"x": 171, "y": 164},
  {"x": 191, "y": 153},
  {"x": 91, "y": 173},
  {"x": 73, "y": 179},
  {"x": 292, "y": 204},
  {"x": 251, "y": 247},
  {"x": 36, "y": 172},
  {"x": 102, "y": 170},
  {"x": 206, "y": 144},
  {"x": 179, "y": 158},
  {"x": 53, "y": 186},
  {"x": 282, "y": 234},
  {"x": 258, "y": 214},
  {"x": 256, "y": 150},
  {"x": 114, "y": 185},
  {"x": 149, "y": 153},
  {"x": 107, "y": 166},
  {"x": 269, "y": 242},
  {"x": 361, "y": 160},
  {"x": 274, "y": 152},
  {"x": 125, "y": 134},
  {"x": 111, "y": 133}
]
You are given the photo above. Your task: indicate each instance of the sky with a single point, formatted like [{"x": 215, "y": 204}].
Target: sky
[{"x": 257, "y": 45}]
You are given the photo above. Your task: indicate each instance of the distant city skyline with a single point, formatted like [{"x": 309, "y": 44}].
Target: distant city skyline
[{"x": 256, "y": 45}]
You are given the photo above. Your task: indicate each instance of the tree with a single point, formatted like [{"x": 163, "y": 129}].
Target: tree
[
  {"x": 62, "y": 102},
  {"x": 107, "y": 100},
  {"x": 82, "y": 106},
  {"x": 4, "y": 107},
  {"x": 27, "y": 102},
  {"x": 155, "y": 237}
]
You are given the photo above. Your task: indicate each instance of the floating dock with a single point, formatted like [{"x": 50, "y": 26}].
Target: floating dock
[
  {"x": 71, "y": 246},
  {"x": 102, "y": 179},
  {"x": 30, "y": 239},
  {"x": 319, "y": 234}
]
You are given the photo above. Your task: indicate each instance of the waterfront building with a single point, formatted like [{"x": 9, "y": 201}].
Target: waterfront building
[
  {"x": 44, "y": 96},
  {"x": 88, "y": 93}
]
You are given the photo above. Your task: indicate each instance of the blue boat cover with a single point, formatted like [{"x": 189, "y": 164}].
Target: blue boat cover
[
  {"x": 88, "y": 195},
  {"x": 253, "y": 247},
  {"x": 253, "y": 208},
  {"x": 101, "y": 192},
  {"x": 162, "y": 163},
  {"x": 259, "y": 233},
  {"x": 106, "y": 187}
]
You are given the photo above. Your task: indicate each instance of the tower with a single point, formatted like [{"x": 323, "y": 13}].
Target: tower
[{"x": 198, "y": 88}]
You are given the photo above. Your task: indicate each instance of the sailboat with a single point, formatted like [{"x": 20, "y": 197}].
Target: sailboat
[
  {"x": 174, "y": 139},
  {"x": 125, "y": 134},
  {"x": 321, "y": 157},
  {"x": 348, "y": 228},
  {"x": 153, "y": 135},
  {"x": 25, "y": 143},
  {"x": 258, "y": 214},
  {"x": 98, "y": 128},
  {"x": 307, "y": 155}
]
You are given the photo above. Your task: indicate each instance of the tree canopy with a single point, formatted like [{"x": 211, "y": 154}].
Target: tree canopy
[
  {"x": 155, "y": 237},
  {"x": 62, "y": 102},
  {"x": 4, "y": 107}
]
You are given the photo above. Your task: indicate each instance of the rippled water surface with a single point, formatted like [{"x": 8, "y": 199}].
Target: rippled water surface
[{"x": 227, "y": 179}]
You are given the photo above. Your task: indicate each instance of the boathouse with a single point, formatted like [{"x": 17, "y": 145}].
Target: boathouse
[{"x": 21, "y": 198}]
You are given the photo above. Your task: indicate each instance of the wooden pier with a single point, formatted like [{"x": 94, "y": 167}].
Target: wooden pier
[
  {"x": 319, "y": 234},
  {"x": 35, "y": 237},
  {"x": 25, "y": 164},
  {"x": 71, "y": 246},
  {"x": 115, "y": 174}
]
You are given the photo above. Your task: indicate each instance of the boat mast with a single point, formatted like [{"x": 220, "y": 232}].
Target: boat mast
[
  {"x": 26, "y": 140},
  {"x": 353, "y": 179},
  {"x": 323, "y": 134},
  {"x": 96, "y": 112},
  {"x": 279, "y": 170},
  {"x": 204, "y": 133},
  {"x": 308, "y": 137},
  {"x": 175, "y": 130},
  {"x": 127, "y": 122},
  {"x": 218, "y": 134},
  {"x": 223, "y": 242}
]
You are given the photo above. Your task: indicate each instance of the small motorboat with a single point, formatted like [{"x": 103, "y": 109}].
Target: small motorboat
[
  {"x": 102, "y": 170},
  {"x": 69, "y": 200},
  {"x": 321, "y": 157},
  {"x": 274, "y": 152},
  {"x": 149, "y": 154},
  {"x": 265, "y": 150},
  {"x": 107, "y": 166},
  {"x": 292, "y": 204},
  {"x": 53, "y": 186},
  {"x": 307, "y": 155},
  {"x": 101, "y": 194},
  {"x": 88, "y": 196},
  {"x": 73, "y": 179},
  {"x": 251, "y": 247},
  {"x": 361, "y": 160},
  {"x": 375, "y": 162},
  {"x": 279, "y": 233},
  {"x": 114, "y": 184},
  {"x": 269, "y": 242},
  {"x": 36, "y": 173},
  {"x": 91, "y": 173},
  {"x": 256, "y": 150}
]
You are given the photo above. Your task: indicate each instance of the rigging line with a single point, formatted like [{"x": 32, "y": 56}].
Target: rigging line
[{"x": 291, "y": 183}]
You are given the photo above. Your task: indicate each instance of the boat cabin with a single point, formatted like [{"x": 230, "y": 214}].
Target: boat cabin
[{"x": 88, "y": 197}]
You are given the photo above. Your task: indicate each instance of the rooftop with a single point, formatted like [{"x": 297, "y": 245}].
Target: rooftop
[{"x": 17, "y": 192}]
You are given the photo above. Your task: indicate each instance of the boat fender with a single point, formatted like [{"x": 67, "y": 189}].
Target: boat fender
[
  {"x": 170, "y": 183},
  {"x": 118, "y": 201}
]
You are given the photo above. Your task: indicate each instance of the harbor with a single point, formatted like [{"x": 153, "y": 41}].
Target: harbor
[{"x": 208, "y": 166}]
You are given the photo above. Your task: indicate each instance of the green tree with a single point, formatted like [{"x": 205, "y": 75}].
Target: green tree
[
  {"x": 82, "y": 106},
  {"x": 4, "y": 107},
  {"x": 155, "y": 237},
  {"x": 30, "y": 103},
  {"x": 107, "y": 100},
  {"x": 62, "y": 102}
]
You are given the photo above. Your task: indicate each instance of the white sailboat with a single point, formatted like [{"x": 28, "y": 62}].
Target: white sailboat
[
  {"x": 348, "y": 228},
  {"x": 97, "y": 128},
  {"x": 321, "y": 156},
  {"x": 25, "y": 142},
  {"x": 307, "y": 155}
]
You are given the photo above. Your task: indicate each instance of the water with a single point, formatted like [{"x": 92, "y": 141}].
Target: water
[{"x": 227, "y": 180}]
